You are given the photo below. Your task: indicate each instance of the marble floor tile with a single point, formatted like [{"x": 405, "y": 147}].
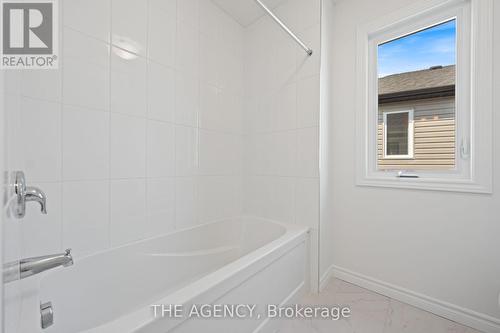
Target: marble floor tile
[{"x": 370, "y": 313}]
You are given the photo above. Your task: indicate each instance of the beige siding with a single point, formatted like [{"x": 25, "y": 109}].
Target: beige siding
[{"x": 434, "y": 135}]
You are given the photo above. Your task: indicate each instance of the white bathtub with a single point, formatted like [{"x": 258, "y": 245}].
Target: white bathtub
[{"x": 246, "y": 261}]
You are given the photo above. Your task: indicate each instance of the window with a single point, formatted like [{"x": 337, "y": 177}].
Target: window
[
  {"x": 418, "y": 92},
  {"x": 418, "y": 71},
  {"x": 398, "y": 134}
]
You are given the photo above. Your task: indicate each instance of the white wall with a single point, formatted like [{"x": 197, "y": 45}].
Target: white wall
[
  {"x": 440, "y": 245},
  {"x": 142, "y": 130},
  {"x": 282, "y": 120},
  {"x": 127, "y": 149}
]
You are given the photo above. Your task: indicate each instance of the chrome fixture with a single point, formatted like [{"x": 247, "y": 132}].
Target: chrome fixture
[
  {"x": 308, "y": 50},
  {"x": 24, "y": 268},
  {"x": 25, "y": 194},
  {"x": 46, "y": 315}
]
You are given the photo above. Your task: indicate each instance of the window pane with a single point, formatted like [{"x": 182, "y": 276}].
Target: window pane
[
  {"x": 397, "y": 134},
  {"x": 417, "y": 72}
]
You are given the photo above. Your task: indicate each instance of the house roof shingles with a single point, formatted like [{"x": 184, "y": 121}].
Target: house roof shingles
[{"x": 417, "y": 80}]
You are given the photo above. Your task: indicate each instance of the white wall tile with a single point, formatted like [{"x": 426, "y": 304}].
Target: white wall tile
[
  {"x": 45, "y": 84},
  {"x": 307, "y": 201},
  {"x": 283, "y": 61},
  {"x": 77, "y": 12},
  {"x": 85, "y": 233},
  {"x": 128, "y": 211},
  {"x": 186, "y": 202},
  {"x": 186, "y": 151},
  {"x": 186, "y": 99},
  {"x": 162, "y": 27},
  {"x": 128, "y": 83},
  {"x": 284, "y": 108},
  {"x": 86, "y": 71},
  {"x": 288, "y": 12},
  {"x": 218, "y": 198},
  {"x": 11, "y": 82},
  {"x": 85, "y": 137},
  {"x": 281, "y": 117},
  {"x": 259, "y": 153},
  {"x": 230, "y": 30},
  {"x": 308, "y": 152},
  {"x": 189, "y": 12},
  {"x": 39, "y": 140},
  {"x": 210, "y": 112},
  {"x": 253, "y": 200},
  {"x": 128, "y": 146},
  {"x": 169, "y": 6},
  {"x": 230, "y": 68},
  {"x": 220, "y": 153},
  {"x": 280, "y": 195},
  {"x": 14, "y": 158},
  {"x": 160, "y": 206},
  {"x": 160, "y": 149},
  {"x": 161, "y": 92},
  {"x": 231, "y": 109},
  {"x": 209, "y": 61},
  {"x": 81, "y": 47},
  {"x": 118, "y": 128},
  {"x": 41, "y": 234},
  {"x": 309, "y": 65},
  {"x": 210, "y": 16},
  {"x": 129, "y": 25},
  {"x": 308, "y": 98},
  {"x": 283, "y": 153},
  {"x": 263, "y": 113},
  {"x": 309, "y": 14},
  {"x": 188, "y": 46}
]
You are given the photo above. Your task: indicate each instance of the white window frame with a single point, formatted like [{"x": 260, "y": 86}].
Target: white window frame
[
  {"x": 473, "y": 171},
  {"x": 410, "y": 136}
]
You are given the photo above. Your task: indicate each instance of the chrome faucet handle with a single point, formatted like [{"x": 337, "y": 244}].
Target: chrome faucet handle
[
  {"x": 37, "y": 195},
  {"x": 26, "y": 194}
]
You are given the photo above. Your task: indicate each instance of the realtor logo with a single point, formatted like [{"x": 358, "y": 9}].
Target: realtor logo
[{"x": 29, "y": 34}]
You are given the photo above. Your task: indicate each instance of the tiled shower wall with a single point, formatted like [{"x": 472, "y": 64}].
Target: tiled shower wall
[
  {"x": 138, "y": 133},
  {"x": 282, "y": 105},
  {"x": 165, "y": 114}
]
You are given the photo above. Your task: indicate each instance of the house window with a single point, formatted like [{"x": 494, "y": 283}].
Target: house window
[
  {"x": 417, "y": 71},
  {"x": 398, "y": 134},
  {"x": 425, "y": 110}
]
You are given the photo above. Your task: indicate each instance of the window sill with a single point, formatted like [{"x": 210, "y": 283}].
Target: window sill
[{"x": 429, "y": 184}]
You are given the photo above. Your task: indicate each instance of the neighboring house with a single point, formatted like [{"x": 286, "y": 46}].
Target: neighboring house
[{"x": 417, "y": 120}]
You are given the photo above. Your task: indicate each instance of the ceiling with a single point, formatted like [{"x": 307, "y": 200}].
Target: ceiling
[{"x": 245, "y": 12}]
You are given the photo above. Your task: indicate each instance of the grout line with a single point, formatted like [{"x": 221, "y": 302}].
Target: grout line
[
  {"x": 146, "y": 137},
  {"x": 61, "y": 108},
  {"x": 109, "y": 238},
  {"x": 174, "y": 126}
]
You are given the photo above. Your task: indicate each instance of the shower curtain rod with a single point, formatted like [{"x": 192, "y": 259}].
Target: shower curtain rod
[{"x": 284, "y": 27}]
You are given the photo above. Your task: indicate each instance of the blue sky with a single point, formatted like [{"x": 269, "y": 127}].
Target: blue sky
[{"x": 430, "y": 47}]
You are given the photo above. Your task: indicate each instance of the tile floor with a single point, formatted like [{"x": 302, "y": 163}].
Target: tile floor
[{"x": 370, "y": 313}]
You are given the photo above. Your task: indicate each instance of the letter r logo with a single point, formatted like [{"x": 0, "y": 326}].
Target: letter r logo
[{"x": 27, "y": 28}]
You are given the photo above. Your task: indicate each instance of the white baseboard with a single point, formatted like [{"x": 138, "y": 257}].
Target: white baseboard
[
  {"x": 325, "y": 278},
  {"x": 464, "y": 316}
]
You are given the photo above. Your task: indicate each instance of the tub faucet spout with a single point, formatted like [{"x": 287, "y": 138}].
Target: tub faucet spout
[{"x": 31, "y": 266}]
